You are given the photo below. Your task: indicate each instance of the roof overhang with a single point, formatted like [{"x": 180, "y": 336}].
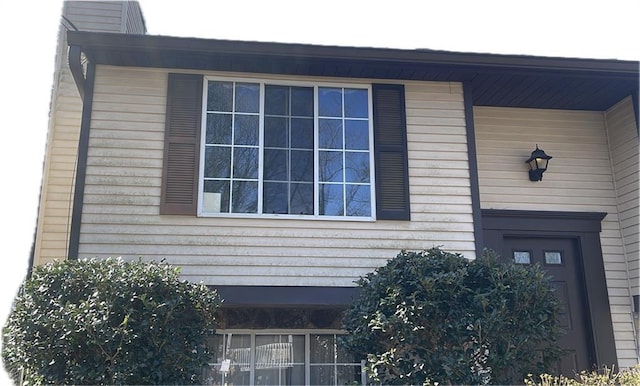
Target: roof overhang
[{"x": 496, "y": 80}]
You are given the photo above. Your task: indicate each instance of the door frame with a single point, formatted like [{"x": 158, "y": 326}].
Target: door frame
[{"x": 584, "y": 228}]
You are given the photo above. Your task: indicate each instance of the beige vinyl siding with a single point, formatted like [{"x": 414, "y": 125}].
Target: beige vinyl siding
[
  {"x": 56, "y": 199},
  {"x": 622, "y": 133},
  {"x": 122, "y": 197},
  {"x": 623, "y": 144},
  {"x": 579, "y": 178}
]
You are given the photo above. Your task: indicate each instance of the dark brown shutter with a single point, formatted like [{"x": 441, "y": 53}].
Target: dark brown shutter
[
  {"x": 390, "y": 142},
  {"x": 182, "y": 145}
]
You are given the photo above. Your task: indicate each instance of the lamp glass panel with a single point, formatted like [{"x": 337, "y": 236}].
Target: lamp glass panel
[{"x": 542, "y": 163}]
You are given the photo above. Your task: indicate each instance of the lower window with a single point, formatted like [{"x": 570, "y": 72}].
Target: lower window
[{"x": 281, "y": 359}]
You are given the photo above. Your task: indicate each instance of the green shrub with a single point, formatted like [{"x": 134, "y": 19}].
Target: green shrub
[
  {"x": 108, "y": 322},
  {"x": 435, "y": 316},
  {"x": 603, "y": 377}
]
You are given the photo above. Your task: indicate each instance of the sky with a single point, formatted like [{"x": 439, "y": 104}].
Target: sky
[{"x": 565, "y": 28}]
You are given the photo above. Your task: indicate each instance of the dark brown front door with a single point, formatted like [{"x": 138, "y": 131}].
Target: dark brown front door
[{"x": 560, "y": 258}]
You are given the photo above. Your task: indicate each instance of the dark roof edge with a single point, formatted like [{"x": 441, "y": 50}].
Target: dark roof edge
[{"x": 128, "y": 42}]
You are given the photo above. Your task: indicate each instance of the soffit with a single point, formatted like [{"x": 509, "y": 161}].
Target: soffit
[{"x": 496, "y": 80}]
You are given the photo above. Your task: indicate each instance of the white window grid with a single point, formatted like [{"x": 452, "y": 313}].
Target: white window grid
[{"x": 315, "y": 85}]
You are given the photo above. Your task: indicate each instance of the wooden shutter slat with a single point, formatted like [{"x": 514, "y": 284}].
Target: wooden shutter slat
[
  {"x": 182, "y": 145},
  {"x": 390, "y": 145}
]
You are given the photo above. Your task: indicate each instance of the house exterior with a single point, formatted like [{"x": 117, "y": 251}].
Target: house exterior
[{"x": 281, "y": 173}]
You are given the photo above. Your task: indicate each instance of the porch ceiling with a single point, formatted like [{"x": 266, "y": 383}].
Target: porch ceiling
[{"x": 496, "y": 80}]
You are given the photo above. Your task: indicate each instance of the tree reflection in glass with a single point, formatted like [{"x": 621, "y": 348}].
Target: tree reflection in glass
[{"x": 288, "y": 152}]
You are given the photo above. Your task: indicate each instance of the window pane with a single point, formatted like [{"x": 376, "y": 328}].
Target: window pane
[
  {"x": 553, "y": 257},
  {"x": 276, "y": 100},
  {"x": 217, "y": 162},
  {"x": 245, "y": 197},
  {"x": 330, "y": 134},
  {"x": 296, "y": 343},
  {"x": 301, "y": 165},
  {"x": 356, "y": 135},
  {"x": 293, "y": 375},
  {"x": 216, "y": 197},
  {"x": 246, "y": 130},
  {"x": 356, "y": 167},
  {"x": 275, "y": 356},
  {"x": 330, "y": 102},
  {"x": 344, "y": 356},
  {"x": 302, "y": 101},
  {"x": 275, "y": 132},
  {"x": 245, "y": 162},
  {"x": 349, "y": 375},
  {"x": 247, "y": 97},
  {"x": 322, "y": 348},
  {"x": 301, "y": 199},
  {"x": 275, "y": 198},
  {"x": 358, "y": 200},
  {"x": 331, "y": 201},
  {"x": 302, "y": 133},
  {"x": 322, "y": 375},
  {"x": 219, "y": 129},
  {"x": 238, "y": 352},
  {"x": 356, "y": 103},
  {"x": 220, "y": 96},
  {"x": 330, "y": 166},
  {"x": 522, "y": 257},
  {"x": 275, "y": 165}
]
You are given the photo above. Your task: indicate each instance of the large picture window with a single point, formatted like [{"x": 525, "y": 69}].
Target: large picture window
[
  {"x": 287, "y": 149},
  {"x": 250, "y": 148}
]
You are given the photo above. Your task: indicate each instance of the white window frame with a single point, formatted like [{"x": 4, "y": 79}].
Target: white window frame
[
  {"x": 316, "y": 184},
  {"x": 307, "y": 333}
]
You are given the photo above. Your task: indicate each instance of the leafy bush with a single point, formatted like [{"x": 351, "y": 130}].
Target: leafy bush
[
  {"x": 435, "y": 316},
  {"x": 603, "y": 377},
  {"x": 109, "y": 322}
]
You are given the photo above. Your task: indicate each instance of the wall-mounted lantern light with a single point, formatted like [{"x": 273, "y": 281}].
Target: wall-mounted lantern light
[{"x": 538, "y": 163}]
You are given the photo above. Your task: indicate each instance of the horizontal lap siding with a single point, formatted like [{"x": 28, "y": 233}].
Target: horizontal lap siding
[
  {"x": 622, "y": 133},
  {"x": 623, "y": 142},
  {"x": 122, "y": 197},
  {"x": 133, "y": 19},
  {"x": 579, "y": 178},
  {"x": 98, "y": 16},
  {"x": 56, "y": 199}
]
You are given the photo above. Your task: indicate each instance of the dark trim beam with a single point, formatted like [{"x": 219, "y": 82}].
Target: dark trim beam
[
  {"x": 81, "y": 164},
  {"x": 473, "y": 166},
  {"x": 268, "y": 296}
]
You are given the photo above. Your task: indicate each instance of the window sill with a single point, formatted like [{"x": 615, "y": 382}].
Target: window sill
[{"x": 286, "y": 217}]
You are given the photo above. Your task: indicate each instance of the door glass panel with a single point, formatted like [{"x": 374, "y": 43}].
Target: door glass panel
[
  {"x": 522, "y": 257},
  {"x": 553, "y": 258}
]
